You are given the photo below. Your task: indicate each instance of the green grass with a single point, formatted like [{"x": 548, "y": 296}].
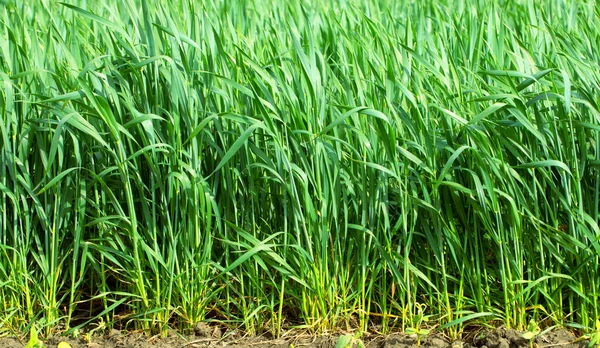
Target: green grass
[{"x": 273, "y": 164}]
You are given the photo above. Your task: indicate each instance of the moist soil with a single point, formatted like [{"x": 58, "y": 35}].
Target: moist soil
[{"x": 205, "y": 337}]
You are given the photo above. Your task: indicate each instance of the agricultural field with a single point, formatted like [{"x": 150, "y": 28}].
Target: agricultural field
[{"x": 264, "y": 166}]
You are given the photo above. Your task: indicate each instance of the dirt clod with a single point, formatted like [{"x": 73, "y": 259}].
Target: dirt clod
[
  {"x": 503, "y": 338},
  {"x": 202, "y": 330},
  {"x": 404, "y": 341}
]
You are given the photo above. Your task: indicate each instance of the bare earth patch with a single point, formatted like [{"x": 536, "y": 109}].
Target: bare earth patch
[{"x": 201, "y": 338}]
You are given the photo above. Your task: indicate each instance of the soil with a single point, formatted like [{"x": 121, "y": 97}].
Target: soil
[{"x": 206, "y": 337}]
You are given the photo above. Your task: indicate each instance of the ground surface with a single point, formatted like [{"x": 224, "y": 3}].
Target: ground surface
[{"x": 499, "y": 338}]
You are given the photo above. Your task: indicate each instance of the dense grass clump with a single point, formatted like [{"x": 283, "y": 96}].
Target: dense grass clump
[{"x": 275, "y": 164}]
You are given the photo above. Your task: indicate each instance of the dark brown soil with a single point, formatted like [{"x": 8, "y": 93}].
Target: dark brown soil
[{"x": 206, "y": 337}]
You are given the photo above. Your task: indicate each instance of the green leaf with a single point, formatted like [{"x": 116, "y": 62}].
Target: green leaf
[
  {"x": 344, "y": 341},
  {"x": 545, "y": 164},
  {"x": 96, "y": 18},
  {"x": 34, "y": 341},
  {"x": 56, "y": 179},
  {"x": 235, "y": 147},
  {"x": 466, "y": 318},
  {"x": 594, "y": 339}
]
